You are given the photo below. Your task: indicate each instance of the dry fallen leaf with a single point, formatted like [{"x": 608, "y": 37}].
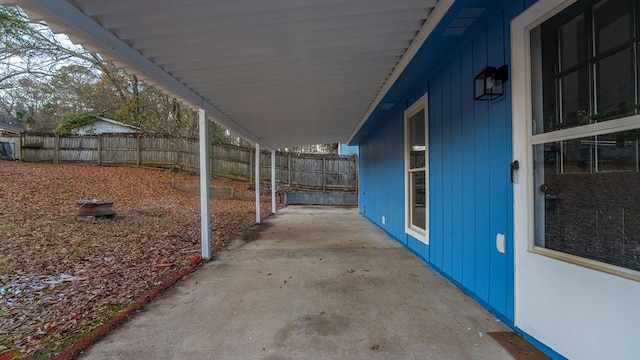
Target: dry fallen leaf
[{"x": 60, "y": 277}]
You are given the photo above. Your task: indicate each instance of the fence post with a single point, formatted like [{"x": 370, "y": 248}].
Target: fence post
[
  {"x": 324, "y": 173},
  {"x": 289, "y": 170},
  {"x": 175, "y": 148},
  {"x": 251, "y": 165},
  {"x": 20, "y": 142},
  {"x": 99, "y": 149},
  {"x": 357, "y": 169},
  {"x": 138, "y": 150},
  {"x": 257, "y": 187},
  {"x": 273, "y": 181},
  {"x": 56, "y": 149},
  {"x": 212, "y": 154}
]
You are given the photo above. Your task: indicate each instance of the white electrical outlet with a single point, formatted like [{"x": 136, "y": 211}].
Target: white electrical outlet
[
  {"x": 384, "y": 220},
  {"x": 501, "y": 243}
]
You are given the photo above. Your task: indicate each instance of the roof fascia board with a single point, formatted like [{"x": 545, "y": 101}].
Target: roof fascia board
[
  {"x": 432, "y": 21},
  {"x": 115, "y": 122},
  {"x": 79, "y": 23}
]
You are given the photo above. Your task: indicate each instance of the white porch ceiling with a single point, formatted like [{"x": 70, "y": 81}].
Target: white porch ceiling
[{"x": 279, "y": 72}]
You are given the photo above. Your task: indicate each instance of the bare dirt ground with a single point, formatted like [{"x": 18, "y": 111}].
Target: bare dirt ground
[{"x": 61, "y": 278}]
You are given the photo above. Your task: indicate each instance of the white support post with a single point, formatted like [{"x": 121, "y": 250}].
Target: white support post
[
  {"x": 257, "y": 177},
  {"x": 273, "y": 181},
  {"x": 205, "y": 175}
]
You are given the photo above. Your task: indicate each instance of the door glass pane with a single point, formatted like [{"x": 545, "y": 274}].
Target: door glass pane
[
  {"x": 592, "y": 215},
  {"x": 576, "y": 156},
  {"x": 574, "y": 92},
  {"x": 417, "y": 134},
  {"x": 612, "y": 24},
  {"x": 616, "y": 152},
  {"x": 572, "y": 38},
  {"x": 418, "y": 199},
  {"x": 615, "y": 95}
]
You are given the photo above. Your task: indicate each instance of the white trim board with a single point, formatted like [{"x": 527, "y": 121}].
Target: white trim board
[
  {"x": 600, "y": 128},
  {"x": 420, "y": 104}
]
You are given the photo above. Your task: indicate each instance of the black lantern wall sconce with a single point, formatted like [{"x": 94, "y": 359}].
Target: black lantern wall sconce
[{"x": 489, "y": 83}]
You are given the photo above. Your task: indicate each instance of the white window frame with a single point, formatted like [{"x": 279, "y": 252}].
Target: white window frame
[
  {"x": 420, "y": 234},
  {"x": 524, "y": 139}
]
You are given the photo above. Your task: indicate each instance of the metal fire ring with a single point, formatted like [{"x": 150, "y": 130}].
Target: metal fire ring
[{"x": 95, "y": 207}]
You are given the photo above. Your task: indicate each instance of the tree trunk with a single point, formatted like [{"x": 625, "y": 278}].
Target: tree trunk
[{"x": 136, "y": 100}]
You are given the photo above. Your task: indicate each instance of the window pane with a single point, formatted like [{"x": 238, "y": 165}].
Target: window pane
[
  {"x": 592, "y": 215},
  {"x": 544, "y": 66},
  {"x": 615, "y": 95},
  {"x": 616, "y": 152},
  {"x": 576, "y": 156},
  {"x": 612, "y": 24},
  {"x": 417, "y": 133},
  {"x": 570, "y": 86},
  {"x": 574, "y": 92},
  {"x": 572, "y": 38},
  {"x": 418, "y": 199}
]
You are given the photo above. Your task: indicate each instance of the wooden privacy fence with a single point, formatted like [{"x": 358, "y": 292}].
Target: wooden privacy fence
[{"x": 308, "y": 171}]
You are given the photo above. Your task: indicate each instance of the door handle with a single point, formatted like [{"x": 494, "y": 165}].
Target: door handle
[{"x": 515, "y": 165}]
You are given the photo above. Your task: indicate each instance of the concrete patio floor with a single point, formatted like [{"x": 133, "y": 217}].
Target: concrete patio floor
[{"x": 310, "y": 283}]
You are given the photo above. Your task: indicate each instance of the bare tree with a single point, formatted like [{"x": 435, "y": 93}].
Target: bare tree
[{"x": 46, "y": 81}]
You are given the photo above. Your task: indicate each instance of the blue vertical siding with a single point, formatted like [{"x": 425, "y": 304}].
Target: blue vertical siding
[
  {"x": 457, "y": 170},
  {"x": 498, "y": 171},
  {"x": 482, "y": 159},
  {"x": 447, "y": 179},
  {"x": 467, "y": 173},
  {"x": 470, "y": 192},
  {"x": 382, "y": 176},
  {"x": 436, "y": 146}
]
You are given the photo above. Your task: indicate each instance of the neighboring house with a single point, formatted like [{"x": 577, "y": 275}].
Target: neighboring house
[
  {"x": 549, "y": 244},
  {"x": 344, "y": 149},
  {"x": 102, "y": 125},
  {"x": 11, "y": 128},
  {"x": 10, "y": 140}
]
